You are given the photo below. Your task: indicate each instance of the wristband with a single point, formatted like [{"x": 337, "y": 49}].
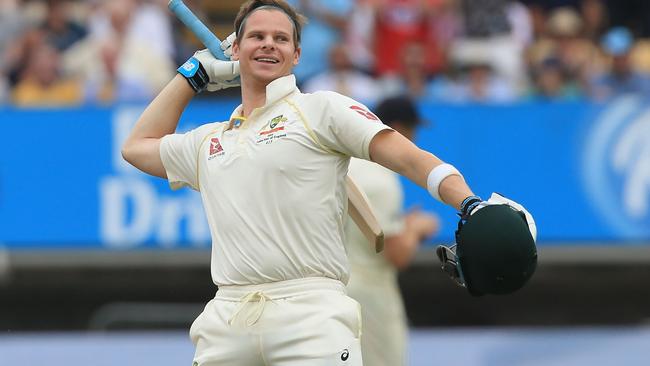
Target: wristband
[
  {"x": 468, "y": 205},
  {"x": 195, "y": 74},
  {"x": 436, "y": 176}
]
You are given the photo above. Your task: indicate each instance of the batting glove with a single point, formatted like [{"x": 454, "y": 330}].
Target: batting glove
[
  {"x": 206, "y": 72},
  {"x": 226, "y": 45},
  {"x": 472, "y": 204}
]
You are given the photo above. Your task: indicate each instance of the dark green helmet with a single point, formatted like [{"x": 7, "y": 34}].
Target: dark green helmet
[{"x": 495, "y": 251}]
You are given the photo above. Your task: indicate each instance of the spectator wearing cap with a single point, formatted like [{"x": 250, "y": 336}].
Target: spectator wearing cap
[
  {"x": 373, "y": 277},
  {"x": 564, "y": 40},
  {"x": 621, "y": 78},
  {"x": 551, "y": 83}
]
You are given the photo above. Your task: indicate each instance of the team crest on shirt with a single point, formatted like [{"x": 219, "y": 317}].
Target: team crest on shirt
[
  {"x": 274, "y": 131},
  {"x": 215, "y": 148},
  {"x": 276, "y": 120}
]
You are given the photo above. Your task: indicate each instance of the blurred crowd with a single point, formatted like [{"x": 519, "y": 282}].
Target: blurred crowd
[
  {"x": 65, "y": 53},
  {"x": 62, "y": 53}
]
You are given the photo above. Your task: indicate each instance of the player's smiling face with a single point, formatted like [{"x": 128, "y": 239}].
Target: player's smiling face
[{"x": 267, "y": 50}]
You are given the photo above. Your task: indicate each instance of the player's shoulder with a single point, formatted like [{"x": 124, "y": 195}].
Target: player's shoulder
[
  {"x": 325, "y": 96},
  {"x": 325, "y": 101},
  {"x": 209, "y": 128},
  {"x": 199, "y": 133}
]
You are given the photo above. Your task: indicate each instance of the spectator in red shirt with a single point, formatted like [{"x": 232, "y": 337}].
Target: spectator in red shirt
[{"x": 401, "y": 22}]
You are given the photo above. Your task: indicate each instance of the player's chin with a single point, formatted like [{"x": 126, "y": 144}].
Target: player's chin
[{"x": 270, "y": 75}]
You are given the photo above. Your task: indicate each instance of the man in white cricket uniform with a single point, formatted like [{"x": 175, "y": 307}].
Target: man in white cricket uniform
[
  {"x": 276, "y": 203},
  {"x": 277, "y": 181},
  {"x": 373, "y": 277},
  {"x": 272, "y": 183}
]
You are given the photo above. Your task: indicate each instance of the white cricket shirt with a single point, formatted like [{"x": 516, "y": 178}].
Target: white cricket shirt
[{"x": 273, "y": 188}]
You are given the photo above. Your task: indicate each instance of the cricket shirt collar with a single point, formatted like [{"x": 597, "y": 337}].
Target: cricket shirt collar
[{"x": 276, "y": 90}]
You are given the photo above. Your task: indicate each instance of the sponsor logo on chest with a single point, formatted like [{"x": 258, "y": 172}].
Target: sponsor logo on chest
[{"x": 216, "y": 149}]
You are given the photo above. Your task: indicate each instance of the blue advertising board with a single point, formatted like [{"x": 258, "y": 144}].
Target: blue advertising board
[{"x": 582, "y": 169}]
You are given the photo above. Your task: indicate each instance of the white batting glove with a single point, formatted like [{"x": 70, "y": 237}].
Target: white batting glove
[
  {"x": 206, "y": 72},
  {"x": 497, "y": 199},
  {"x": 222, "y": 74},
  {"x": 226, "y": 45}
]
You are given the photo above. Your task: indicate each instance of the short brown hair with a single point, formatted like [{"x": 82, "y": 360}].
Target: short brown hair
[{"x": 250, "y": 6}]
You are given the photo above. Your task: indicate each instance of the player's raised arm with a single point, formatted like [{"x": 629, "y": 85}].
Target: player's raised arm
[
  {"x": 142, "y": 147},
  {"x": 397, "y": 153},
  {"x": 201, "y": 72}
]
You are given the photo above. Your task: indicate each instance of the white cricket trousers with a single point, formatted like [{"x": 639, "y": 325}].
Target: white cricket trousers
[{"x": 301, "y": 322}]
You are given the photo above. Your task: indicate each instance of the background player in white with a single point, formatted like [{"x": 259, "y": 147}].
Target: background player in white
[
  {"x": 373, "y": 277},
  {"x": 272, "y": 184}
]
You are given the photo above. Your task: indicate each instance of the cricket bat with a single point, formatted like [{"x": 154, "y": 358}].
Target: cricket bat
[
  {"x": 358, "y": 206},
  {"x": 361, "y": 213}
]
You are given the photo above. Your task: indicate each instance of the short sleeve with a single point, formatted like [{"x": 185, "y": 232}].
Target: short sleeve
[
  {"x": 180, "y": 156},
  {"x": 346, "y": 125}
]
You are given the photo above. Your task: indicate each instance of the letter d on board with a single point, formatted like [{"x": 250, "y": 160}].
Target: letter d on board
[{"x": 127, "y": 211}]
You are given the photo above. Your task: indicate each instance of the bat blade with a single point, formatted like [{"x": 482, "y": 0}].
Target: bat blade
[
  {"x": 361, "y": 213},
  {"x": 191, "y": 21}
]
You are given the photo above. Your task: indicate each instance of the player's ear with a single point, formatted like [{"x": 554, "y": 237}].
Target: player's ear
[
  {"x": 296, "y": 55},
  {"x": 235, "y": 51}
]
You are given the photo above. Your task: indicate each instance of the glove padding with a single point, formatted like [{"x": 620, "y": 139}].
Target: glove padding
[{"x": 222, "y": 74}]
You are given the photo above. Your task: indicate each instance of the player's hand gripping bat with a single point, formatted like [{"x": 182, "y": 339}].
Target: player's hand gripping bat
[{"x": 358, "y": 206}]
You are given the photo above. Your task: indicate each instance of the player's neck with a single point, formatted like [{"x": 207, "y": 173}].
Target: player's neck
[{"x": 253, "y": 96}]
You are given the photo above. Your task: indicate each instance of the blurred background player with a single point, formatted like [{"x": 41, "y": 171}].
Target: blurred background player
[{"x": 373, "y": 277}]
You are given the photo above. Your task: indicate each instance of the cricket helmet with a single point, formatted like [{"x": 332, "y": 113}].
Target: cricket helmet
[{"x": 495, "y": 251}]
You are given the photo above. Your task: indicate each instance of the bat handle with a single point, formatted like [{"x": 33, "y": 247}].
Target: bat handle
[{"x": 211, "y": 42}]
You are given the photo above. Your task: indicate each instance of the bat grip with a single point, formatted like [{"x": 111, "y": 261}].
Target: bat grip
[{"x": 211, "y": 42}]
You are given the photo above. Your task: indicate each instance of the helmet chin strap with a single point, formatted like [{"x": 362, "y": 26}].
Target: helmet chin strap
[{"x": 450, "y": 265}]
